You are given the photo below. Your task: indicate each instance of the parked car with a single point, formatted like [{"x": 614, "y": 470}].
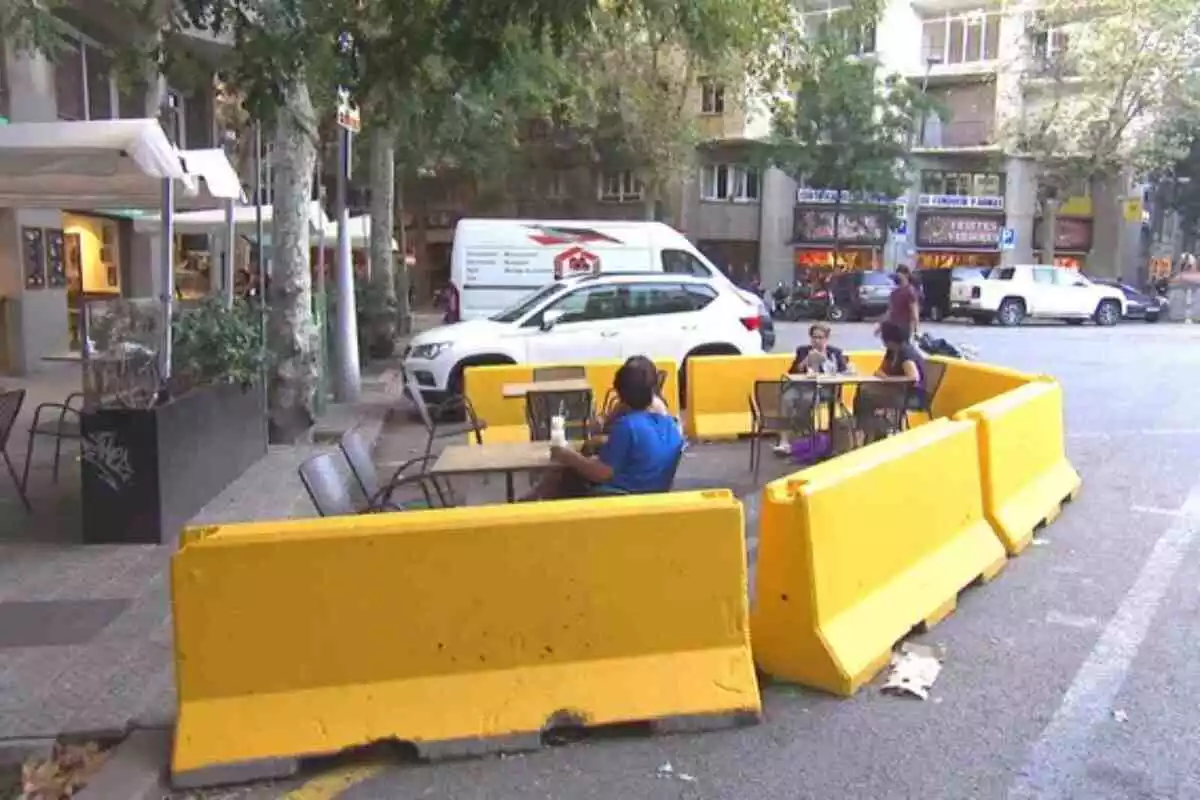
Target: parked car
[
  {"x": 1139, "y": 305},
  {"x": 1012, "y": 294},
  {"x": 935, "y": 286},
  {"x": 592, "y": 317},
  {"x": 858, "y": 295}
]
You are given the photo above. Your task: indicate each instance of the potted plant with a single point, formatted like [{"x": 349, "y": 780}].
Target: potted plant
[{"x": 155, "y": 452}]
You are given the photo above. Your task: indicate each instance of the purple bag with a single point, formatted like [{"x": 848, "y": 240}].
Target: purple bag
[{"x": 810, "y": 449}]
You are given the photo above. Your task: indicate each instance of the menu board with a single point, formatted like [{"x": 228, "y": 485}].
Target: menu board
[
  {"x": 56, "y": 268},
  {"x": 1071, "y": 235},
  {"x": 958, "y": 230},
  {"x": 817, "y": 225},
  {"x": 33, "y": 257}
]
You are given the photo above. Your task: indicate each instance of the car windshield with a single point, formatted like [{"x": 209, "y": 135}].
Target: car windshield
[
  {"x": 1001, "y": 273},
  {"x": 528, "y": 303}
]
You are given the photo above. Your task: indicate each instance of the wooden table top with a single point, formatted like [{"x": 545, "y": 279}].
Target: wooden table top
[
  {"x": 464, "y": 459},
  {"x": 844, "y": 380},
  {"x": 567, "y": 385}
]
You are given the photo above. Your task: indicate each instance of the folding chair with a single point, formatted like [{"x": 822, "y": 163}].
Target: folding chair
[{"x": 10, "y": 408}]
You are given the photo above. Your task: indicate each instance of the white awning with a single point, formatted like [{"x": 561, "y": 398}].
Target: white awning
[
  {"x": 88, "y": 165},
  {"x": 215, "y": 175},
  {"x": 213, "y": 220}
]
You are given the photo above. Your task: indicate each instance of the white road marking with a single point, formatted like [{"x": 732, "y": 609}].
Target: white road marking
[
  {"x": 1167, "y": 512},
  {"x": 1061, "y": 753}
]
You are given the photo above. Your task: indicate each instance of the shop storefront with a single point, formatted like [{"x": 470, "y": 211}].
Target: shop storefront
[
  {"x": 945, "y": 241},
  {"x": 1072, "y": 242},
  {"x": 85, "y": 258},
  {"x": 858, "y": 234},
  {"x": 737, "y": 259}
]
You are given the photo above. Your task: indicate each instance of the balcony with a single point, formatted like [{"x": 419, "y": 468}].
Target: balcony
[{"x": 962, "y": 135}]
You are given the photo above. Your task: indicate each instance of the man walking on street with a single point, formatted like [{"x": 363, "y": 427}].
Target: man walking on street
[{"x": 904, "y": 304}]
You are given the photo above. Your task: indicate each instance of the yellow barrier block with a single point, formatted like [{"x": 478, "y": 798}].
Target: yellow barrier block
[
  {"x": 719, "y": 389},
  {"x": 505, "y": 416},
  {"x": 852, "y": 555},
  {"x": 311, "y": 636},
  {"x": 1023, "y": 460},
  {"x": 966, "y": 383}
]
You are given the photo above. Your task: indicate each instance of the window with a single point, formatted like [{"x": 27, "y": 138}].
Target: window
[
  {"x": 83, "y": 82},
  {"x": 197, "y": 120},
  {"x": 526, "y": 304},
  {"x": 1066, "y": 277},
  {"x": 648, "y": 299},
  {"x": 712, "y": 97},
  {"x": 586, "y": 305},
  {"x": 877, "y": 279},
  {"x": 728, "y": 182},
  {"x": 700, "y": 296},
  {"x": 1001, "y": 273},
  {"x": 557, "y": 186},
  {"x": 620, "y": 187},
  {"x": 962, "y": 38},
  {"x": 681, "y": 262},
  {"x": 1052, "y": 44},
  {"x": 963, "y": 184},
  {"x": 818, "y": 23},
  {"x": 1043, "y": 276}
]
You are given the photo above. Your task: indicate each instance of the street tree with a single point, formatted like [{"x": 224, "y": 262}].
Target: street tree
[
  {"x": 1101, "y": 77},
  {"x": 840, "y": 124},
  {"x": 647, "y": 63}
]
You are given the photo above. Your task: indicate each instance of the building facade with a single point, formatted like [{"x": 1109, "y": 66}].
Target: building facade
[{"x": 102, "y": 255}]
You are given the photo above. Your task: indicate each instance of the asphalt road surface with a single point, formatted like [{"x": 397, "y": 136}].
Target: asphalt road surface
[{"x": 1076, "y": 674}]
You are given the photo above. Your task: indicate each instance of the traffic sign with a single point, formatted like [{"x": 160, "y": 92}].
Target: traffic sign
[
  {"x": 901, "y": 232},
  {"x": 1008, "y": 239},
  {"x": 348, "y": 116}
]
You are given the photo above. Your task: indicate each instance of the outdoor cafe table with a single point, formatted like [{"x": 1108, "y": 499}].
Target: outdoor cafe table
[
  {"x": 836, "y": 382},
  {"x": 511, "y": 390},
  {"x": 483, "y": 459}
]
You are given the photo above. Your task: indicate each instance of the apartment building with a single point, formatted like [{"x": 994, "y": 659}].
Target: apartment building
[
  {"x": 103, "y": 255},
  {"x": 981, "y": 62}
]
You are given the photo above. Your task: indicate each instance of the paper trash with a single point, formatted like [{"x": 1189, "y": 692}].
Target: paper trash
[{"x": 914, "y": 669}]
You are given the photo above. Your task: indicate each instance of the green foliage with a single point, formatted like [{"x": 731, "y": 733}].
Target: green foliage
[
  {"x": 843, "y": 126},
  {"x": 213, "y": 344},
  {"x": 1102, "y": 106},
  {"x": 30, "y": 25}
]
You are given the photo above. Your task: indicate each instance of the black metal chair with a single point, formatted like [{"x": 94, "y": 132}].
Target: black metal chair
[
  {"x": 558, "y": 373},
  {"x": 768, "y": 419},
  {"x": 362, "y": 467},
  {"x": 575, "y": 406},
  {"x": 433, "y": 417},
  {"x": 10, "y": 408},
  {"x": 327, "y": 487},
  {"x": 64, "y": 421}
]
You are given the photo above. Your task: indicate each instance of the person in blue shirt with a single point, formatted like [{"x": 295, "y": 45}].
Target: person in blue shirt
[{"x": 640, "y": 454}]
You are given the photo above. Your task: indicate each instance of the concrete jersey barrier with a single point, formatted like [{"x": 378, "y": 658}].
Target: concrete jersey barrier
[
  {"x": 505, "y": 416},
  {"x": 304, "y": 637},
  {"x": 853, "y": 554},
  {"x": 1025, "y": 473}
]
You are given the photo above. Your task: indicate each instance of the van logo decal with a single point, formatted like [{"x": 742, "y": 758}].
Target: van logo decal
[
  {"x": 550, "y": 234},
  {"x": 575, "y": 261}
]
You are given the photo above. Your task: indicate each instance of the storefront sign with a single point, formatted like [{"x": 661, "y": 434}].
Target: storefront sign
[
  {"x": 944, "y": 260},
  {"x": 951, "y": 230},
  {"x": 849, "y": 259},
  {"x": 815, "y": 225},
  {"x": 1072, "y": 235},
  {"x": 832, "y": 196},
  {"x": 990, "y": 202}
]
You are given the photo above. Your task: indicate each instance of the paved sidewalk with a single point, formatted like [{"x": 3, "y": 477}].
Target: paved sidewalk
[{"x": 85, "y": 631}]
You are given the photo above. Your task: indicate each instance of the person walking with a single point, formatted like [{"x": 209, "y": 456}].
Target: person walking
[{"x": 904, "y": 305}]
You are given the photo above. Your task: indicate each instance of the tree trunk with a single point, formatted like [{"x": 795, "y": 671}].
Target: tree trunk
[
  {"x": 1049, "y": 231},
  {"x": 404, "y": 308},
  {"x": 291, "y": 334},
  {"x": 383, "y": 218}
]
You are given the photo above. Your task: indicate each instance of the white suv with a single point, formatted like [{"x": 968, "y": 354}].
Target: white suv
[
  {"x": 604, "y": 316},
  {"x": 1010, "y": 294}
]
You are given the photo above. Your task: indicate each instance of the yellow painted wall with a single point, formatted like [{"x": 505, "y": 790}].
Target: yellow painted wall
[{"x": 90, "y": 231}]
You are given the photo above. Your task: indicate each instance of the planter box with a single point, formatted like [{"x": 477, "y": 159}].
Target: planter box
[{"x": 147, "y": 472}]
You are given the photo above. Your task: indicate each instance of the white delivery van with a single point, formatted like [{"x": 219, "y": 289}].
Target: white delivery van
[{"x": 496, "y": 262}]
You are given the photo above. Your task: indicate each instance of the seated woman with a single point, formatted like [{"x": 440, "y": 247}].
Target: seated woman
[
  {"x": 900, "y": 360},
  {"x": 639, "y": 456},
  {"x": 818, "y": 357}
]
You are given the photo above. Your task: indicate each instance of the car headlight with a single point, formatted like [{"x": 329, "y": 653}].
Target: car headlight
[{"x": 430, "y": 351}]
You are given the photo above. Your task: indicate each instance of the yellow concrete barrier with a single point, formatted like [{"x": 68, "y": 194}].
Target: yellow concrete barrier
[
  {"x": 966, "y": 383},
  {"x": 1025, "y": 472},
  {"x": 719, "y": 389},
  {"x": 310, "y": 636},
  {"x": 505, "y": 416},
  {"x": 852, "y": 554}
]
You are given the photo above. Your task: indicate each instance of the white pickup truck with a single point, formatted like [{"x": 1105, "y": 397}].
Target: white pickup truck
[{"x": 1010, "y": 294}]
